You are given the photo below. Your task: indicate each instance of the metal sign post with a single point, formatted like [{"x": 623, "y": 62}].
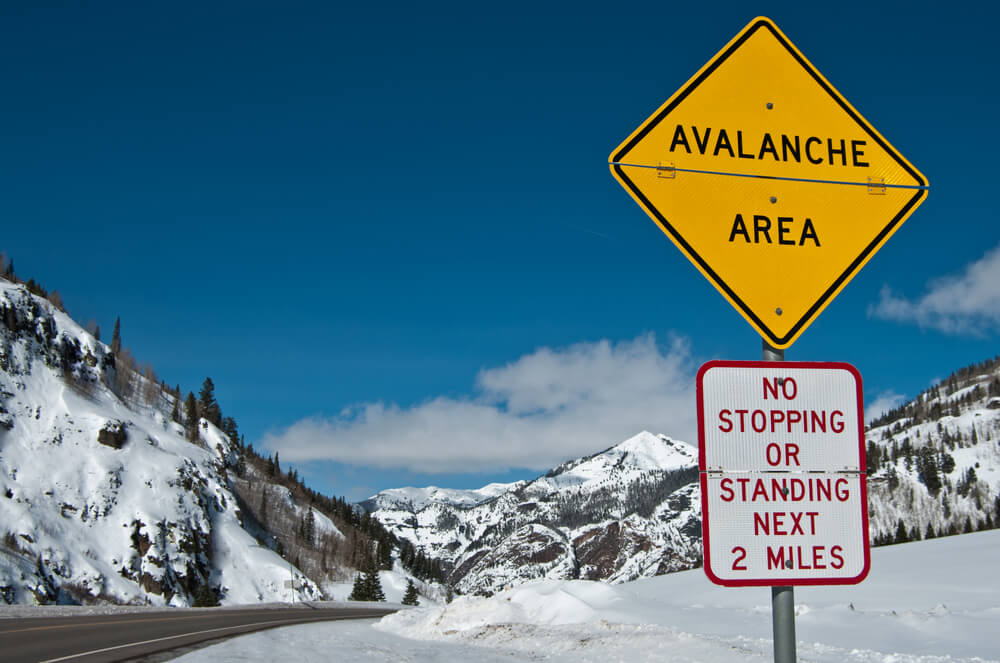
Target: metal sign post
[
  {"x": 782, "y": 475},
  {"x": 782, "y": 598}
]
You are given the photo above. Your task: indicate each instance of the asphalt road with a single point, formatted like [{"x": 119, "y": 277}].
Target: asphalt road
[{"x": 129, "y": 636}]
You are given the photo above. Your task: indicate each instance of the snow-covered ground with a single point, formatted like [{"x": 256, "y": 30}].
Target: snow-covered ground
[{"x": 925, "y": 602}]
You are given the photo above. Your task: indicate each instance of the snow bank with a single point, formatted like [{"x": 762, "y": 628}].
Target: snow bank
[{"x": 930, "y": 601}]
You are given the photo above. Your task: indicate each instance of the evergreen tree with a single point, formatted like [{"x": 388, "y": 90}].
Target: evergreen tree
[
  {"x": 191, "y": 417},
  {"x": 901, "y": 533},
  {"x": 374, "y": 585},
  {"x": 358, "y": 592},
  {"x": 892, "y": 478},
  {"x": 411, "y": 597},
  {"x": 231, "y": 430},
  {"x": 384, "y": 554},
  {"x": 873, "y": 456},
  {"x": 207, "y": 597},
  {"x": 309, "y": 528},
  {"x": 927, "y": 470},
  {"x": 367, "y": 587},
  {"x": 116, "y": 337},
  {"x": 967, "y": 482},
  {"x": 35, "y": 288},
  {"x": 207, "y": 405},
  {"x": 175, "y": 413},
  {"x": 947, "y": 463},
  {"x": 9, "y": 272}
]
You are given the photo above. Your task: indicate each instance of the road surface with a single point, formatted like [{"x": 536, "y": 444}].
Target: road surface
[{"x": 124, "y": 636}]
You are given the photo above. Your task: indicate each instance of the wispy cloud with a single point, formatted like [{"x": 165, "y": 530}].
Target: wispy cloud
[
  {"x": 533, "y": 413},
  {"x": 882, "y": 403},
  {"x": 959, "y": 304}
]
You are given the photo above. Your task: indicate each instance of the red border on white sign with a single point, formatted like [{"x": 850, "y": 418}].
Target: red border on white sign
[{"x": 784, "y": 580}]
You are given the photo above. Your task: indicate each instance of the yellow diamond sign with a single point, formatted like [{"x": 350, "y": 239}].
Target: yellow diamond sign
[{"x": 769, "y": 181}]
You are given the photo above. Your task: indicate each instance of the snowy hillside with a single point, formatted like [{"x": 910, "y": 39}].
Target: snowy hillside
[
  {"x": 934, "y": 463},
  {"x": 900, "y": 613},
  {"x": 99, "y": 501},
  {"x": 627, "y": 512}
]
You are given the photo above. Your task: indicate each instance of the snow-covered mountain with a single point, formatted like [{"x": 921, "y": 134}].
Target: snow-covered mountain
[
  {"x": 103, "y": 501},
  {"x": 634, "y": 510},
  {"x": 626, "y": 512},
  {"x": 414, "y": 499}
]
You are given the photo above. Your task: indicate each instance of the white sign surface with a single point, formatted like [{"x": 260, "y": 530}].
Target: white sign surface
[{"x": 784, "y": 496}]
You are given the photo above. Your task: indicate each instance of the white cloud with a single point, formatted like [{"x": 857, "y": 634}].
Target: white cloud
[
  {"x": 535, "y": 412},
  {"x": 884, "y": 402},
  {"x": 965, "y": 304}
]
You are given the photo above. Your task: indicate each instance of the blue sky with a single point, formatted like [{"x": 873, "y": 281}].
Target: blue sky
[{"x": 389, "y": 234}]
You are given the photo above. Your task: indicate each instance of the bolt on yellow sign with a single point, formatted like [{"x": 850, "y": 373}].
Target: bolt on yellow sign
[{"x": 769, "y": 181}]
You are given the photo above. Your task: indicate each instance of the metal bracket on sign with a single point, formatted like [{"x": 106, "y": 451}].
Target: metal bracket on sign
[
  {"x": 876, "y": 186},
  {"x": 666, "y": 172}
]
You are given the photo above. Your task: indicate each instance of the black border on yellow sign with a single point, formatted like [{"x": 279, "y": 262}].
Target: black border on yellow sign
[{"x": 619, "y": 157}]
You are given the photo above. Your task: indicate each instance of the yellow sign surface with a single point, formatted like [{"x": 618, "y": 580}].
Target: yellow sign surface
[{"x": 769, "y": 181}]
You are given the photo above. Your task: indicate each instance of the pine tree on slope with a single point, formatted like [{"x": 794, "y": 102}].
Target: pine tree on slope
[
  {"x": 367, "y": 586},
  {"x": 374, "y": 585},
  {"x": 358, "y": 592},
  {"x": 116, "y": 337},
  {"x": 190, "y": 417},
  {"x": 208, "y": 407},
  {"x": 411, "y": 597}
]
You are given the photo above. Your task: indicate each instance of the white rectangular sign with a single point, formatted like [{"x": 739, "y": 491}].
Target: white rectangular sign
[{"x": 782, "y": 459}]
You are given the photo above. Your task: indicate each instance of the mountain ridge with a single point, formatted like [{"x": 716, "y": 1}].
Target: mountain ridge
[{"x": 532, "y": 530}]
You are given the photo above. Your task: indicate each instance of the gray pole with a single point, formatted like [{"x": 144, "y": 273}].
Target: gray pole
[{"x": 782, "y": 598}]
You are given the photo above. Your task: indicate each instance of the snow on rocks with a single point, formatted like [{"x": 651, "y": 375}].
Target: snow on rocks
[{"x": 103, "y": 502}]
